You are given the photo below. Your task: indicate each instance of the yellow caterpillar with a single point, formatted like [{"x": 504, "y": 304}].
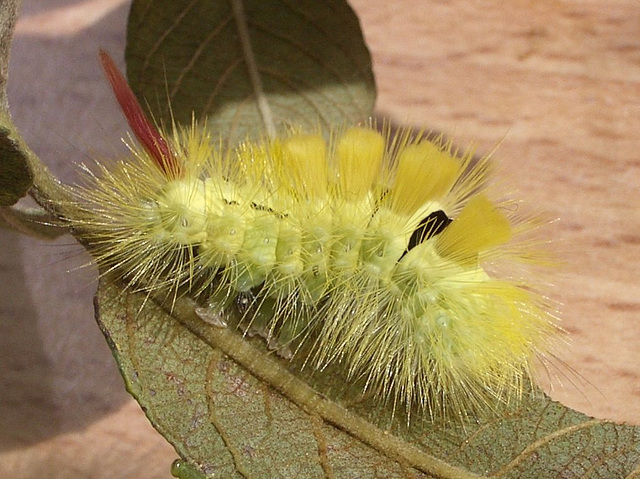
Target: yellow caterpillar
[{"x": 370, "y": 250}]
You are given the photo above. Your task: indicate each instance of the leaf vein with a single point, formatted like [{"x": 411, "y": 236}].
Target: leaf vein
[
  {"x": 165, "y": 34},
  {"x": 531, "y": 448},
  {"x": 363, "y": 70},
  {"x": 196, "y": 55},
  {"x": 233, "y": 451},
  {"x": 220, "y": 83},
  {"x": 245, "y": 41},
  {"x": 299, "y": 47},
  {"x": 293, "y": 87}
]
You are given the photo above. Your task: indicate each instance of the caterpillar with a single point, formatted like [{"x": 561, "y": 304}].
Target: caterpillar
[{"x": 375, "y": 251}]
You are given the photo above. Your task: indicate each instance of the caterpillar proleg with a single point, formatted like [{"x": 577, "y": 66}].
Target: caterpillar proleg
[{"x": 375, "y": 251}]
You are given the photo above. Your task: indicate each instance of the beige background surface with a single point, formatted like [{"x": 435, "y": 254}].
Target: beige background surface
[{"x": 557, "y": 81}]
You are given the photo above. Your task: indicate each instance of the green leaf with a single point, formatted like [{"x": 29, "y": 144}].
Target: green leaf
[
  {"x": 250, "y": 66},
  {"x": 15, "y": 175},
  {"x": 232, "y": 410},
  {"x": 20, "y": 169},
  {"x": 229, "y": 407}
]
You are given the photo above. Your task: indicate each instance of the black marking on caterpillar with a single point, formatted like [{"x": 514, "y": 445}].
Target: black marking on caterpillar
[{"x": 429, "y": 227}]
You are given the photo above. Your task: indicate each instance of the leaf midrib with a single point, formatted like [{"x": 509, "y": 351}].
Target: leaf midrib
[
  {"x": 304, "y": 396},
  {"x": 264, "y": 108}
]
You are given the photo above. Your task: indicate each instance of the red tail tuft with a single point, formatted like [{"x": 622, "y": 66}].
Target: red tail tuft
[{"x": 144, "y": 130}]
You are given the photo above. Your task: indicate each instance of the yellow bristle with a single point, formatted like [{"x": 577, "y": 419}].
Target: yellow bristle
[
  {"x": 359, "y": 155},
  {"x": 424, "y": 173},
  {"x": 303, "y": 160},
  {"x": 479, "y": 227},
  {"x": 195, "y": 148}
]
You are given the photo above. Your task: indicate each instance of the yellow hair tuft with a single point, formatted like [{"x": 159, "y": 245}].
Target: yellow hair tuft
[
  {"x": 303, "y": 159},
  {"x": 425, "y": 172},
  {"x": 359, "y": 153},
  {"x": 480, "y": 226}
]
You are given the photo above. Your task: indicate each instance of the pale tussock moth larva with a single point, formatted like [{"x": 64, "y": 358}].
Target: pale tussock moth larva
[{"x": 370, "y": 249}]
